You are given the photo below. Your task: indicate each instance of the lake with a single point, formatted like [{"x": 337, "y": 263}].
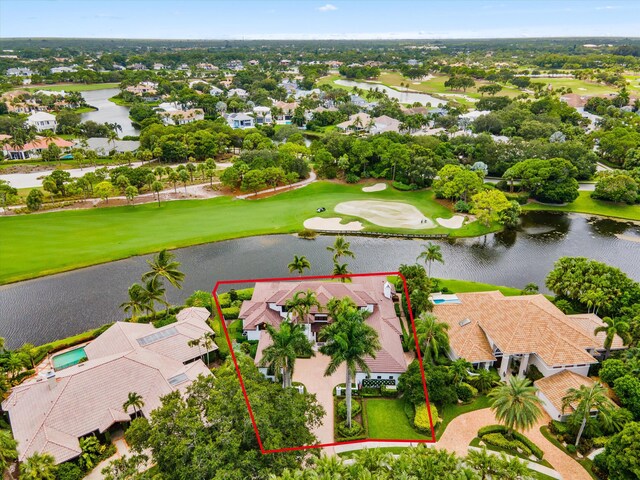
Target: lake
[
  {"x": 403, "y": 97},
  {"x": 108, "y": 112},
  {"x": 45, "y": 309}
]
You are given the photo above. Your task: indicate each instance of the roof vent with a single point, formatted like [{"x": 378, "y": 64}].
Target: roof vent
[{"x": 464, "y": 322}]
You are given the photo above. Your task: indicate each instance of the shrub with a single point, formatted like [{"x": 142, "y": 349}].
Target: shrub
[
  {"x": 244, "y": 294},
  {"x": 351, "y": 178},
  {"x": 612, "y": 369},
  {"x": 558, "y": 428},
  {"x": 572, "y": 449},
  {"x": 599, "y": 442},
  {"x": 421, "y": 418},
  {"x": 354, "y": 433},
  {"x": 231, "y": 313},
  {"x": 518, "y": 441},
  {"x": 403, "y": 187},
  {"x": 466, "y": 392},
  {"x": 387, "y": 392},
  {"x": 462, "y": 206},
  {"x": 585, "y": 446},
  {"x": 521, "y": 198},
  {"x": 533, "y": 373},
  {"x": 169, "y": 319},
  {"x": 492, "y": 429},
  {"x": 224, "y": 300},
  {"x": 308, "y": 234},
  {"x": 341, "y": 409},
  {"x": 69, "y": 471}
]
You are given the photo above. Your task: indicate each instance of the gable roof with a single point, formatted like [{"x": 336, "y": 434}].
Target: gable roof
[
  {"x": 520, "y": 324},
  {"x": 555, "y": 387}
]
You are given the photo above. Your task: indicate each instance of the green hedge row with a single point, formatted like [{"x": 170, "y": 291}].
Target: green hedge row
[
  {"x": 231, "y": 313},
  {"x": 517, "y": 436}
]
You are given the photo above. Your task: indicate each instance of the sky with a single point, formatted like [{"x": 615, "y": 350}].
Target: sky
[{"x": 310, "y": 19}]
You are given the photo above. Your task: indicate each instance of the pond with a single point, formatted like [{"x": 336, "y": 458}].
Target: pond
[
  {"x": 403, "y": 97},
  {"x": 45, "y": 309},
  {"x": 108, "y": 112}
]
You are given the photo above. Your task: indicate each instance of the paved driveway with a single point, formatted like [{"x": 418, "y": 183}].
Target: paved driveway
[{"x": 310, "y": 372}]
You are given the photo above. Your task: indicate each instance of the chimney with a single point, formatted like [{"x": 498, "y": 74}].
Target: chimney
[{"x": 50, "y": 377}]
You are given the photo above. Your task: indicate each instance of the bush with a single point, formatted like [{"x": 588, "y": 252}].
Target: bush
[
  {"x": 572, "y": 449},
  {"x": 533, "y": 373},
  {"x": 370, "y": 392},
  {"x": 403, "y": 187},
  {"x": 421, "y": 418},
  {"x": 224, "y": 300},
  {"x": 462, "y": 206},
  {"x": 585, "y": 446},
  {"x": 499, "y": 440},
  {"x": 354, "y": 433},
  {"x": 341, "y": 409},
  {"x": 599, "y": 442},
  {"x": 230, "y": 313},
  {"x": 351, "y": 178},
  {"x": 518, "y": 439},
  {"x": 387, "y": 392},
  {"x": 558, "y": 428},
  {"x": 612, "y": 369},
  {"x": 169, "y": 319},
  {"x": 308, "y": 234},
  {"x": 492, "y": 429},
  {"x": 521, "y": 198},
  {"x": 69, "y": 471},
  {"x": 465, "y": 392}
]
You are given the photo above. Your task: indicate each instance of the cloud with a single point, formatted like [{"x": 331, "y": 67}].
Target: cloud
[
  {"x": 327, "y": 8},
  {"x": 608, "y": 7}
]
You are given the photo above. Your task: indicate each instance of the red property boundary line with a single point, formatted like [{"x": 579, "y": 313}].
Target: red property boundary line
[{"x": 322, "y": 277}]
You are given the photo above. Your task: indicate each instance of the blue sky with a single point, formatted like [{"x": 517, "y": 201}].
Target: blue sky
[{"x": 212, "y": 19}]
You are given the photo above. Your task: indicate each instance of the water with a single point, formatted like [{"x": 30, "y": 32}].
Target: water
[
  {"x": 45, "y": 309},
  {"x": 108, "y": 112},
  {"x": 68, "y": 359},
  {"x": 403, "y": 97}
]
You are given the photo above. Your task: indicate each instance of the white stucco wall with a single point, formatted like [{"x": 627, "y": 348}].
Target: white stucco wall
[
  {"x": 553, "y": 412},
  {"x": 545, "y": 370}
]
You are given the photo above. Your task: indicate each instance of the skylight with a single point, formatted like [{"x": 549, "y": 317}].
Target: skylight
[{"x": 157, "y": 336}]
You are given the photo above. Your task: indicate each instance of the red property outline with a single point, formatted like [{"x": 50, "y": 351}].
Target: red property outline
[{"x": 320, "y": 277}]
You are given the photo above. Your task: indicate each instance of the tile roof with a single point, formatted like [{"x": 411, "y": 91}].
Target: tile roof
[
  {"x": 520, "y": 324},
  {"x": 555, "y": 387},
  {"x": 50, "y": 415}
]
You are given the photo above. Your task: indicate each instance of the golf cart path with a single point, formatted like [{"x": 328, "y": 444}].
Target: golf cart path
[{"x": 293, "y": 186}]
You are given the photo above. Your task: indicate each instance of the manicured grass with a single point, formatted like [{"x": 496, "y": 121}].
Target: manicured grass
[
  {"x": 585, "y": 204},
  {"x": 462, "y": 286},
  {"x": 581, "y": 87},
  {"x": 450, "y": 412},
  {"x": 585, "y": 462},
  {"x": 74, "y": 87},
  {"x": 387, "y": 420},
  {"x": 35, "y": 245},
  {"x": 476, "y": 443}
]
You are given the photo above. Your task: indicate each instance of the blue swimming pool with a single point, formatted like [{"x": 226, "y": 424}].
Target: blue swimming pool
[{"x": 68, "y": 359}]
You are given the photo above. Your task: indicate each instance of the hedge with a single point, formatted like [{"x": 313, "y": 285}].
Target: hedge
[
  {"x": 499, "y": 440},
  {"x": 517, "y": 436},
  {"x": 341, "y": 410},
  {"x": 231, "y": 313},
  {"x": 421, "y": 419}
]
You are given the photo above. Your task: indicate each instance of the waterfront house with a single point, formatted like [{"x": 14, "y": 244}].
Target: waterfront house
[
  {"x": 182, "y": 117},
  {"x": 31, "y": 149},
  {"x": 42, "y": 121},
  {"x": 238, "y": 92},
  {"x": 49, "y": 414},
  {"x": 240, "y": 120},
  {"x": 268, "y": 306}
]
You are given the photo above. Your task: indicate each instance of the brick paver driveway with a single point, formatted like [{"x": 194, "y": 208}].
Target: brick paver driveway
[{"x": 310, "y": 372}]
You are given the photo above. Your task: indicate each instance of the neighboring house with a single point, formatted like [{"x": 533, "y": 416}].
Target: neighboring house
[
  {"x": 357, "y": 123},
  {"x": 551, "y": 390},
  {"x": 262, "y": 115},
  {"x": 513, "y": 333},
  {"x": 195, "y": 82},
  {"x": 288, "y": 109},
  {"x": 207, "y": 66},
  {"x": 182, "y": 117},
  {"x": 239, "y": 92},
  {"x": 240, "y": 120},
  {"x": 42, "y": 121},
  {"x": 143, "y": 88},
  {"x": 51, "y": 413},
  {"x": 102, "y": 146},
  {"x": 385, "y": 124},
  {"x": 215, "y": 91},
  {"x": 372, "y": 294},
  {"x": 159, "y": 66},
  {"x": 64, "y": 69},
  {"x": 19, "y": 72},
  {"x": 31, "y": 149}
]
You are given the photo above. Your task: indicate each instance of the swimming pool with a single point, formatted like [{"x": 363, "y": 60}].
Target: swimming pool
[{"x": 68, "y": 359}]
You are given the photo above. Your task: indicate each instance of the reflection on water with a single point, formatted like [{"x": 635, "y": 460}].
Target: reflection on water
[
  {"x": 108, "y": 112},
  {"x": 42, "y": 310},
  {"x": 403, "y": 97}
]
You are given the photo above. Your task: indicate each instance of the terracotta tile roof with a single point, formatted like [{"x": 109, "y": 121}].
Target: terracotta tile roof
[
  {"x": 39, "y": 143},
  {"x": 587, "y": 323},
  {"x": 555, "y": 387},
  {"x": 521, "y": 324}
]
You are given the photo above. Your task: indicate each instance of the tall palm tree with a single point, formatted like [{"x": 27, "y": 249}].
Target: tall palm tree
[
  {"x": 288, "y": 342},
  {"x": 207, "y": 343},
  {"x": 349, "y": 340},
  {"x": 433, "y": 339},
  {"x": 196, "y": 342},
  {"x": 483, "y": 380},
  {"x": 483, "y": 462},
  {"x": 341, "y": 269},
  {"x": 133, "y": 400},
  {"x": 515, "y": 404},
  {"x": 340, "y": 248},
  {"x": 38, "y": 467},
  {"x": 430, "y": 253},
  {"x": 154, "y": 292},
  {"x": 299, "y": 264},
  {"x": 8, "y": 450},
  {"x": 137, "y": 302},
  {"x": 460, "y": 370},
  {"x": 301, "y": 304},
  {"x": 587, "y": 399},
  {"x": 163, "y": 265},
  {"x": 612, "y": 327}
]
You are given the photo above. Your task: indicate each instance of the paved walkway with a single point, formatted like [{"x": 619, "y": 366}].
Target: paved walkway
[
  {"x": 310, "y": 372},
  {"x": 293, "y": 186}
]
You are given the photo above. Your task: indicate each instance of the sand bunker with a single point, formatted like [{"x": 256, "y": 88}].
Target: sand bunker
[
  {"x": 628, "y": 238},
  {"x": 319, "y": 223},
  {"x": 454, "y": 222},
  {"x": 386, "y": 214},
  {"x": 378, "y": 187}
]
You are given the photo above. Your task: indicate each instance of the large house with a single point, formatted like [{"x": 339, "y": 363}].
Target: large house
[
  {"x": 268, "y": 306},
  {"x": 42, "y": 121},
  {"x": 31, "y": 149},
  {"x": 182, "y": 117},
  {"x": 240, "y": 120},
  {"x": 514, "y": 334},
  {"x": 51, "y": 413}
]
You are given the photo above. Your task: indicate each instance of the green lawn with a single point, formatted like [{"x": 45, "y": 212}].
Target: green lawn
[
  {"x": 585, "y": 204},
  {"x": 387, "y": 420},
  {"x": 462, "y": 286},
  {"x": 74, "y": 87},
  {"x": 41, "y": 244},
  {"x": 450, "y": 412}
]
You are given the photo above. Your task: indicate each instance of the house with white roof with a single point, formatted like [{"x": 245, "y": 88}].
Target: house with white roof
[
  {"x": 238, "y": 92},
  {"x": 240, "y": 120},
  {"x": 215, "y": 91},
  {"x": 182, "y": 117},
  {"x": 51, "y": 413},
  {"x": 42, "y": 121},
  {"x": 268, "y": 306}
]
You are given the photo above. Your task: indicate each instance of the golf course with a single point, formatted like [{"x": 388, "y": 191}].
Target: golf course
[{"x": 41, "y": 244}]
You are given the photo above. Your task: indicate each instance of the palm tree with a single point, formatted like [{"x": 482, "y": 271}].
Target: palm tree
[
  {"x": 584, "y": 400},
  {"x": 612, "y": 327},
  {"x": 433, "y": 338},
  {"x": 137, "y": 301},
  {"x": 38, "y": 467},
  {"x": 340, "y": 249},
  {"x": 133, "y": 400},
  {"x": 164, "y": 266},
  {"x": 302, "y": 303},
  {"x": 196, "y": 342},
  {"x": 483, "y": 462},
  {"x": 207, "y": 342},
  {"x": 299, "y": 264},
  {"x": 154, "y": 292},
  {"x": 460, "y": 370},
  {"x": 288, "y": 342},
  {"x": 530, "y": 289},
  {"x": 430, "y": 253},
  {"x": 8, "y": 451},
  {"x": 515, "y": 404},
  {"x": 341, "y": 269},
  {"x": 512, "y": 469},
  {"x": 349, "y": 340},
  {"x": 483, "y": 380}
]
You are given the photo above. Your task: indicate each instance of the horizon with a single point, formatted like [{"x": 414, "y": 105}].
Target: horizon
[{"x": 320, "y": 20}]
